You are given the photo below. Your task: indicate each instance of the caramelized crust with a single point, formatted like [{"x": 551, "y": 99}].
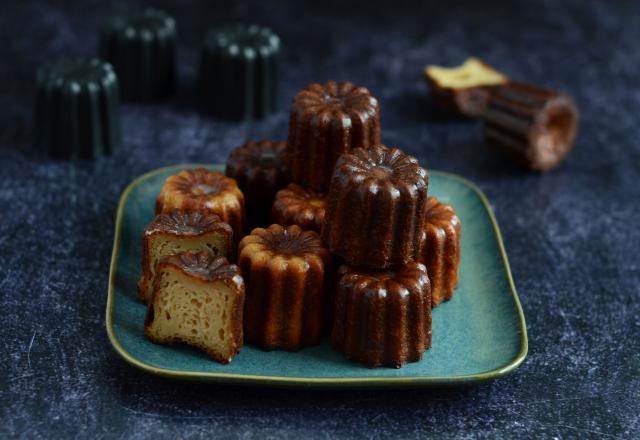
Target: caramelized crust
[
  {"x": 295, "y": 205},
  {"x": 440, "y": 249},
  {"x": 383, "y": 317},
  {"x": 257, "y": 167},
  {"x": 181, "y": 231},
  {"x": 375, "y": 208},
  {"x": 206, "y": 191},
  {"x": 284, "y": 270},
  {"x": 327, "y": 120},
  {"x": 197, "y": 299},
  {"x": 533, "y": 126}
]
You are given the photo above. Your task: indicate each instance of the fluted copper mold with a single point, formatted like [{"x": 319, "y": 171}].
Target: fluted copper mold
[
  {"x": 284, "y": 272},
  {"x": 327, "y": 120},
  {"x": 257, "y": 168},
  {"x": 238, "y": 76},
  {"x": 141, "y": 46},
  {"x": 383, "y": 317},
  {"x": 296, "y": 205},
  {"x": 440, "y": 249},
  {"x": 77, "y": 109},
  {"x": 204, "y": 191},
  {"x": 533, "y": 126},
  {"x": 376, "y": 207}
]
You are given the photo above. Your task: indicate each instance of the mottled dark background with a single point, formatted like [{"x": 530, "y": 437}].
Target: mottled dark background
[{"x": 573, "y": 235}]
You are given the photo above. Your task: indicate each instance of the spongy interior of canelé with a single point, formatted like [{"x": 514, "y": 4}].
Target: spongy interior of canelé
[
  {"x": 195, "y": 312},
  {"x": 472, "y": 73},
  {"x": 162, "y": 245}
]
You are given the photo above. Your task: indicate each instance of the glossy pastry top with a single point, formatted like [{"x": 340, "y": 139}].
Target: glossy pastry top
[
  {"x": 300, "y": 206},
  {"x": 254, "y": 157},
  {"x": 337, "y": 99},
  {"x": 441, "y": 214},
  {"x": 289, "y": 243},
  {"x": 205, "y": 266},
  {"x": 187, "y": 223},
  {"x": 380, "y": 166},
  {"x": 410, "y": 277}
]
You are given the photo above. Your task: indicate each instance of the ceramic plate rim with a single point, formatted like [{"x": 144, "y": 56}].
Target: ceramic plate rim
[{"x": 305, "y": 382}]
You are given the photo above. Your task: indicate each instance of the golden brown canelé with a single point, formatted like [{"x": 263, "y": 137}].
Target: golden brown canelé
[
  {"x": 284, "y": 271},
  {"x": 327, "y": 120},
  {"x": 180, "y": 231},
  {"x": 440, "y": 249},
  {"x": 257, "y": 168},
  {"x": 375, "y": 208},
  {"x": 205, "y": 191},
  {"x": 296, "y": 205},
  {"x": 383, "y": 317},
  {"x": 197, "y": 299}
]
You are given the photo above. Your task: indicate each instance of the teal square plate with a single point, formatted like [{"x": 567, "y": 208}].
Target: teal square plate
[{"x": 478, "y": 335}]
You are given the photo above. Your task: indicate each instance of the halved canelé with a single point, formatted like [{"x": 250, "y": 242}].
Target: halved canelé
[
  {"x": 198, "y": 300},
  {"x": 179, "y": 231}
]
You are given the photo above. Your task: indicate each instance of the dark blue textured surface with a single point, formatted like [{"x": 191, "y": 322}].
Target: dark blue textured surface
[{"x": 572, "y": 235}]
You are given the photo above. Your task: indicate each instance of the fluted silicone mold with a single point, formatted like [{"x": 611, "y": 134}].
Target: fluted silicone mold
[
  {"x": 327, "y": 120},
  {"x": 239, "y": 72},
  {"x": 77, "y": 109},
  {"x": 142, "y": 48},
  {"x": 535, "y": 127}
]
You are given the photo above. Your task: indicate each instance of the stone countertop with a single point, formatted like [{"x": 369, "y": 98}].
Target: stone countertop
[{"x": 572, "y": 235}]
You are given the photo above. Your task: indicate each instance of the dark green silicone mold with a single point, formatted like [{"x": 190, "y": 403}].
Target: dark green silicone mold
[
  {"x": 77, "y": 109},
  {"x": 239, "y": 72},
  {"x": 141, "y": 47}
]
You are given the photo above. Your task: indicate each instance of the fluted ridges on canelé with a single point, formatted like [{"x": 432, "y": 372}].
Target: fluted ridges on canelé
[
  {"x": 383, "y": 317},
  {"x": 375, "y": 208},
  {"x": 257, "y": 168},
  {"x": 239, "y": 72},
  {"x": 206, "y": 191},
  {"x": 440, "y": 249},
  {"x": 284, "y": 270},
  {"x": 535, "y": 127},
  {"x": 77, "y": 109},
  {"x": 141, "y": 46},
  {"x": 295, "y": 205},
  {"x": 327, "y": 120}
]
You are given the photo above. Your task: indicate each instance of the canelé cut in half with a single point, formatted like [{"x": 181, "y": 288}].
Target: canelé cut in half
[
  {"x": 296, "y": 205},
  {"x": 463, "y": 90},
  {"x": 375, "y": 208},
  {"x": 284, "y": 271},
  {"x": 198, "y": 300},
  {"x": 327, "y": 120},
  {"x": 204, "y": 191},
  {"x": 179, "y": 231},
  {"x": 257, "y": 168},
  {"x": 383, "y": 317},
  {"x": 440, "y": 249}
]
